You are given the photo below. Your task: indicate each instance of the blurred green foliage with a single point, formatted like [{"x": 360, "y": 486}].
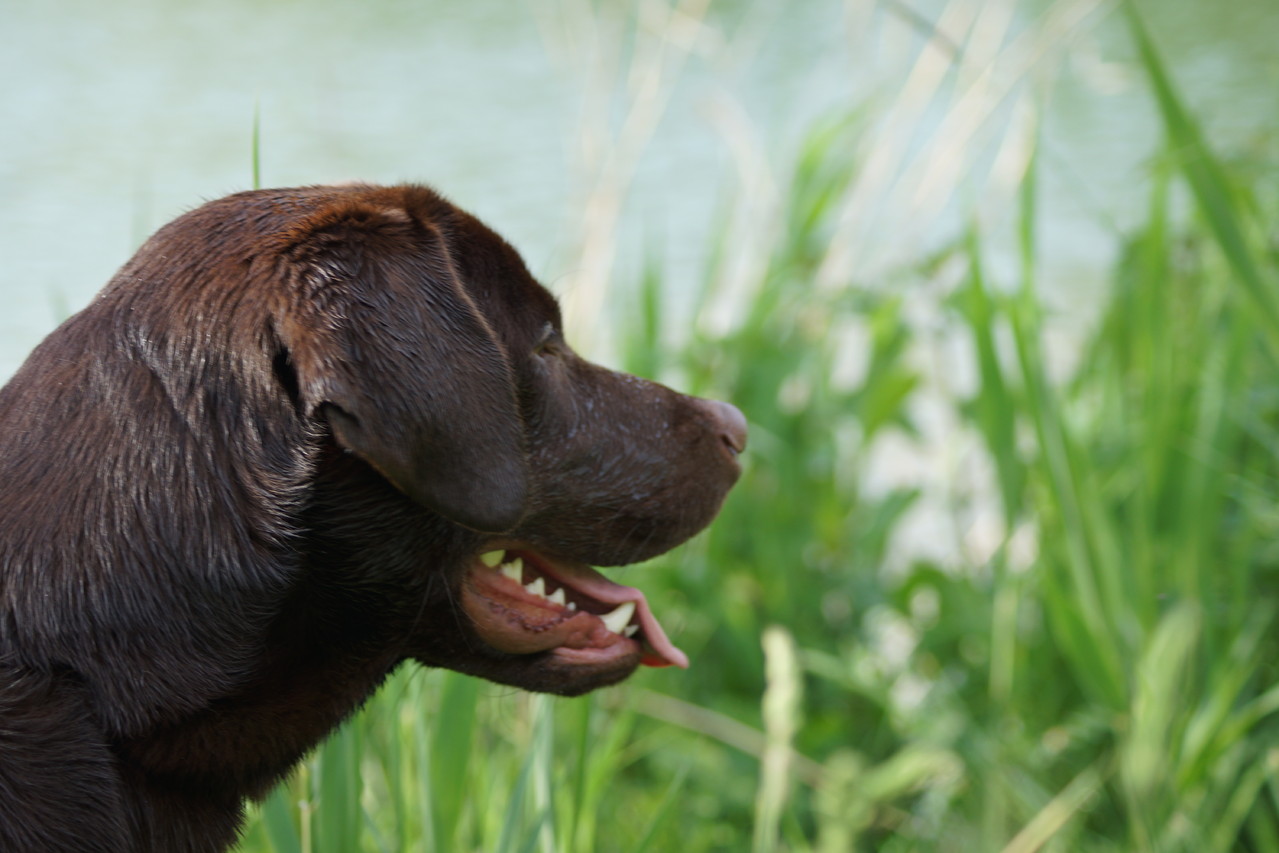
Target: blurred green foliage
[{"x": 1099, "y": 676}]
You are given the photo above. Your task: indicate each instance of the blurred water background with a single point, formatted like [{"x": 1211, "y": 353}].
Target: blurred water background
[{"x": 590, "y": 134}]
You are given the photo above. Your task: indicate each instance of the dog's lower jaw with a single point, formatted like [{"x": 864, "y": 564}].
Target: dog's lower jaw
[{"x": 544, "y": 672}]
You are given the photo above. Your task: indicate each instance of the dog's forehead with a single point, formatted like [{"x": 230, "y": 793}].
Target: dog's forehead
[
  {"x": 491, "y": 270},
  {"x": 498, "y": 279}
]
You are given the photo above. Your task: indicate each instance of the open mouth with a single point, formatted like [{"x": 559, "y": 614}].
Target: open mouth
[{"x": 523, "y": 602}]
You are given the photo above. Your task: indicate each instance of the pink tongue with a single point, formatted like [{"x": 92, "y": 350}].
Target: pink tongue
[{"x": 584, "y": 579}]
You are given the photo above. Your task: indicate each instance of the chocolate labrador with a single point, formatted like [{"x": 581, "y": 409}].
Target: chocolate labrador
[{"x": 303, "y": 436}]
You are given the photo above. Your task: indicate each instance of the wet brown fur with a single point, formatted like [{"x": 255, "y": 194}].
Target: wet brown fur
[{"x": 241, "y": 487}]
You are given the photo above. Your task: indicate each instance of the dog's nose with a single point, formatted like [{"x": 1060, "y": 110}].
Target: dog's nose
[{"x": 731, "y": 424}]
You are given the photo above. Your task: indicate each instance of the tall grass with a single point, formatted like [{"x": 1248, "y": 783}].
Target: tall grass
[{"x": 1096, "y": 672}]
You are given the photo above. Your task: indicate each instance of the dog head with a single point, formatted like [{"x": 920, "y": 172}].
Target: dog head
[{"x": 468, "y": 468}]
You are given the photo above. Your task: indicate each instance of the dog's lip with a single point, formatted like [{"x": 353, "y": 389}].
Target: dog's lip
[{"x": 512, "y": 619}]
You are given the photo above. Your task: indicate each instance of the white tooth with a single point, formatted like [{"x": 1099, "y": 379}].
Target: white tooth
[
  {"x": 630, "y": 631},
  {"x": 572, "y": 605},
  {"x": 492, "y": 558},
  {"x": 557, "y": 597},
  {"x": 514, "y": 571},
  {"x": 621, "y": 614},
  {"x": 537, "y": 587}
]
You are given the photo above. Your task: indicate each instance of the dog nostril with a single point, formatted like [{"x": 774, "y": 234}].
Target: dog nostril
[{"x": 732, "y": 425}]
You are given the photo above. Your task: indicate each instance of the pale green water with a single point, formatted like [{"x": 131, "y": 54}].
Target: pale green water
[{"x": 117, "y": 116}]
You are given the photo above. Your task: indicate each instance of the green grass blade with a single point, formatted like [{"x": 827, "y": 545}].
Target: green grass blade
[
  {"x": 1208, "y": 183},
  {"x": 580, "y": 714},
  {"x": 257, "y": 145},
  {"x": 277, "y": 818},
  {"x": 543, "y": 753},
  {"x": 993, "y": 408},
  {"x": 781, "y": 711},
  {"x": 661, "y": 813},
  {"x": 1063, "y": 808},
  {"x": 338, "y": 818},
  {"x": 512, "y": 824},
  {"x": 451, "y": 755},
  {"x": 1084, "y": 607}
]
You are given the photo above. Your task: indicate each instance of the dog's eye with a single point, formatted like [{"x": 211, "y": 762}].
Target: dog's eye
[{"x": 548, "y": 340}]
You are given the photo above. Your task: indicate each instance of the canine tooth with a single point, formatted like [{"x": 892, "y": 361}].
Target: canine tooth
[
  {"x": 515, "y": 570},
  {"x": 616, "y": 620},
  {"x": 557, "y": 597},
  {"x": 491, "y": 558},
  {"x": 630, "y": 631},
  {"x": 537, "y": 587}
]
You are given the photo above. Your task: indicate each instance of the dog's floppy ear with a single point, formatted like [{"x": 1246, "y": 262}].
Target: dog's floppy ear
[{"x": 389, "y": 348}]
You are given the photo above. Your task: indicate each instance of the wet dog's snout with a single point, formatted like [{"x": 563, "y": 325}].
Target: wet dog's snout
[{"x": 729, "y": 421}]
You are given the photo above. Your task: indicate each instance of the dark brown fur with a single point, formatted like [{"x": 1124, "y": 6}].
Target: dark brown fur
[{"x": 242, "y": 486}]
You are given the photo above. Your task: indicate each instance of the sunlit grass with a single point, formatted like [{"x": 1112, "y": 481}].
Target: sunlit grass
[{"x": 1098, "y": 676}]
